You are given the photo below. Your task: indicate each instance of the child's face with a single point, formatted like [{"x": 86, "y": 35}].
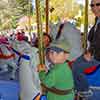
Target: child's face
[
  {"x": 58, "y": 58},
  {"x": 46, "y": 40},
  {"x": 88, "y": 56}
]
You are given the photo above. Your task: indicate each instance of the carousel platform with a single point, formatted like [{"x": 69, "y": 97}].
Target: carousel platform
[{"x": 9, "y": 89}]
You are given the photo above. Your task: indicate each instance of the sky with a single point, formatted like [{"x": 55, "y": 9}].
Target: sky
[
  {"x": 79, "y": 1},
  {"x": 33, "y": 3},
  {"x": 82, "y": 1}
]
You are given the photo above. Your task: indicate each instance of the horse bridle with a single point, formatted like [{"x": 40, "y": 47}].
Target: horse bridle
[{"x": 59, "y": 31}]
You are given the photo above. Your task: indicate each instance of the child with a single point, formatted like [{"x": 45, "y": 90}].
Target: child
[
  {"x": 79, "y": 67},
  {"x": 58, "y": 81}
]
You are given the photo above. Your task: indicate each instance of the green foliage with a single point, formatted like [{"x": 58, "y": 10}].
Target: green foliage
[
  {"x": 25, "y": 6},
  {"x": 14, "y": 22},
  {"x": 12, "y": 11},
  {"x": 78, "y": 22}
]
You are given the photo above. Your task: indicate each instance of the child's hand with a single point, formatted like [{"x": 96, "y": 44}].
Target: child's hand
[{"x": 41, "y": 67}]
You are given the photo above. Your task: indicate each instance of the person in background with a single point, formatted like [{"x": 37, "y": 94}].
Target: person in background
[
  {"x": 94, "y": 33},
  {"x": 33, "y": 39},
  {"x": 46, "y": 40}
]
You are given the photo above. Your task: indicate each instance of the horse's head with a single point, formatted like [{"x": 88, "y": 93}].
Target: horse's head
[{"x": 68, "y": 31}]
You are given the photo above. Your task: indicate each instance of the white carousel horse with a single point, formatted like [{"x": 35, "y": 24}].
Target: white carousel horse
[
  {"x": 69, "y": 32},
  {"x": 28, "y": 75},
  {"x": 7, "y": 59}
]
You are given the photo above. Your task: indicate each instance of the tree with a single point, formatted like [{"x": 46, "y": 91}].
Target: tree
[
  {"x": 12, "y": 10},
  {"x": 62, "y": 8}
]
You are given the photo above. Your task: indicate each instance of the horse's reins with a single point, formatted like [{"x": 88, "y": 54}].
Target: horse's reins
[
  {"x": 26, "y": 57},
  {"x": 22, "y": 55}
]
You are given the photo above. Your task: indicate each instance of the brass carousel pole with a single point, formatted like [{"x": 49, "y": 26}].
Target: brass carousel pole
[
  {"x": 39, "y": 31},
  {"x": 86, "y": 24},
  {"x": 47, "y": 15},
  {"x": 29, "y": 19}
]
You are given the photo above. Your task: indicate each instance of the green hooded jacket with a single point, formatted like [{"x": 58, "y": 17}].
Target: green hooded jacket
[{"x": 60, "y": 77}]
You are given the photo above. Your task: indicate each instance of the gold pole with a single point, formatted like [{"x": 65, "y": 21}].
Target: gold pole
[
  {"x": 29, "y": 29},
  {"x": 39, "y": 31},
  {"x": 47, "y": 15},
  {"x": 86, "y": 24},
  {"x": 29, "y": 20}
]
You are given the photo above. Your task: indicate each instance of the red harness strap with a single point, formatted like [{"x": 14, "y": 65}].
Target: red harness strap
[{"x": 2, "y": 56}]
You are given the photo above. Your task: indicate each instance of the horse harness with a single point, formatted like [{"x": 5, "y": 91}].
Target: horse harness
[{"x": 3, "y": 56}]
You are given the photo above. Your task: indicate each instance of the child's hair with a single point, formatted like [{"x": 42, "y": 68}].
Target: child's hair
[
  {"x": 88, "y": 51},
  {"x": 44, "y": 34},
  {"x": 50, "y": 38}
]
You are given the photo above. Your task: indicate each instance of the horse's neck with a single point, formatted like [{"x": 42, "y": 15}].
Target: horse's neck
[
  {"x": 22, "y": 47},
  {"x": 25, "y": 47}
]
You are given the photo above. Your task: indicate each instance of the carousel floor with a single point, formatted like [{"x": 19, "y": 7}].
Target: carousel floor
[{"x": 9, "y": 89}]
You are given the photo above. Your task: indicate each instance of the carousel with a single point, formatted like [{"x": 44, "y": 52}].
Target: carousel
[{"x": 19, "y": 78}]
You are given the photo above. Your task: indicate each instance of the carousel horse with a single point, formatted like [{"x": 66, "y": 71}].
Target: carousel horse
[
  {"x": 7, "y": 58},
  {"x": 27, "y": 57},
  {"x": 68, "y": 31}
]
